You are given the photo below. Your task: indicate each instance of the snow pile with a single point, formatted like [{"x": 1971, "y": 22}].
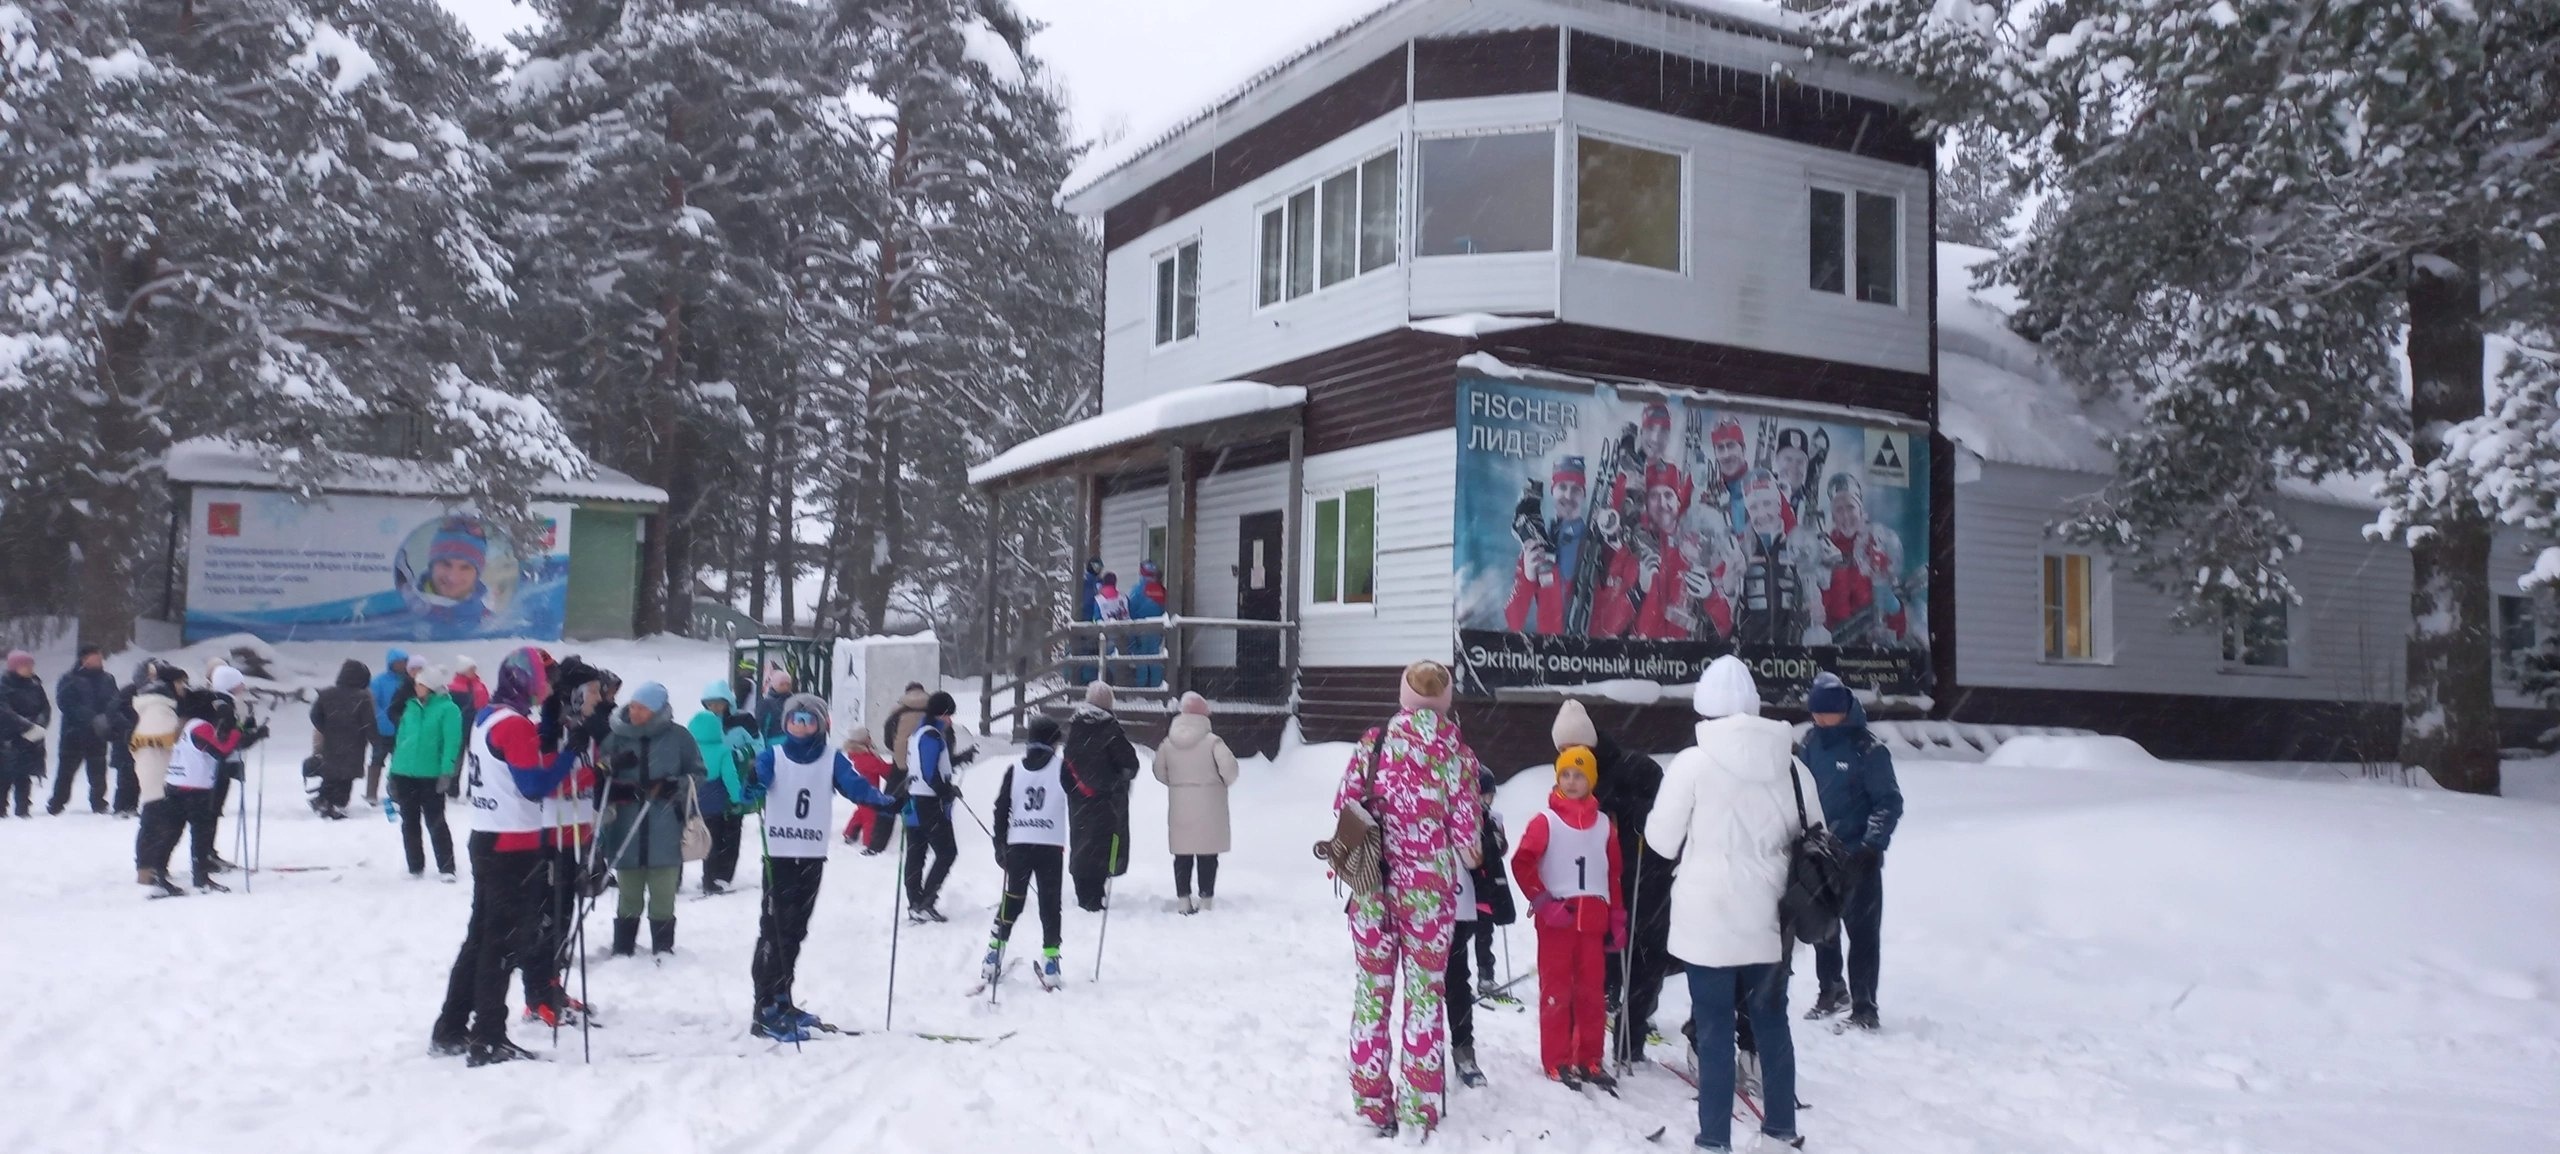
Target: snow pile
[
  {"x": 2091, "y": 752},
  {"x": 219, "y": 461},
  {"x": 2078, "y": 963},
  {"x": 1473, "y": 325},
  {"x": 1179, "y": 409}
]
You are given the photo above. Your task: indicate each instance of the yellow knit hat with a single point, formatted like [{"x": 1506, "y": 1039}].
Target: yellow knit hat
[{"x": 1579, "y": 758}]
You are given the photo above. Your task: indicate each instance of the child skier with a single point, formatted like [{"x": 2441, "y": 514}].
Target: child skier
[
  {"x": 1484, "y": 901},
  {"x": 795, "y": 784},
  {"x": 876, "y": 770},
  {"x": 1031, "y": 844},
  {"x": 1568, "y": 867}
]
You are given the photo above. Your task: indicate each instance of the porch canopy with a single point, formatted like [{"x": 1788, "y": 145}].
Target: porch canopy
[{"x": 1174, "y": 435}]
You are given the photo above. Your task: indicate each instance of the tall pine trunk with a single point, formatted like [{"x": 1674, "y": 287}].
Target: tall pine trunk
[
  {"x": 881, "y": 542},
  {"x": 110, "y": 535},
  {"x": 2451, "y": 726},
  {"x": 658, "y": 401}
]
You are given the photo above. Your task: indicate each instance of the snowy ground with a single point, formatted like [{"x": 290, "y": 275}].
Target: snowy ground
[{"x": 2105, "y": 958}]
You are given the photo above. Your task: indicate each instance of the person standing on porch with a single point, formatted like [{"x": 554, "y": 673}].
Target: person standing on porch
[
  {"x": 1110, "y": 605},
  {"x": 1197, "y": 769}
]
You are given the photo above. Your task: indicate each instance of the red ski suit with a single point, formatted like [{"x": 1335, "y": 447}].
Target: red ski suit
[{"x": 1574, "y": 937}]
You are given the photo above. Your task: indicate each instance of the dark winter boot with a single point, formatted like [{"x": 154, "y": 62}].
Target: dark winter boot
[
  {"x": 447, "y": 1041},
  {"x": 1831, "y": 1001},
  {"x": 1863, "y": 1018},
  {"x": 159, "y": 880},
  {"x": 1463, "y": 1060},
  {"x": 626, "y": 937},
  {"x": 492, "y": 1053},
  {"x": 205, "y": 882},
  {"x": 662, "y": 936}
]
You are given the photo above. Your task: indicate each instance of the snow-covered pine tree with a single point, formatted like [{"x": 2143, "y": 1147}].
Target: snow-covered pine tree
[
  {"x": 2248, "y": 204},
  {"x": 261, "y": 220},
  {"x": 1977, "y": 193}
]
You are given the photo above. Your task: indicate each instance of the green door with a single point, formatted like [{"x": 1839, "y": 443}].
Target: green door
[{"x": 604, "y": 572}]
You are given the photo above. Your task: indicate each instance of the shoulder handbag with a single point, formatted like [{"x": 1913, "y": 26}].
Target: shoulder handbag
[
  {"x": 695, "y": 845},
  {"x": 1817, "y": 886},
  {"x": 1357, "y": 850}
]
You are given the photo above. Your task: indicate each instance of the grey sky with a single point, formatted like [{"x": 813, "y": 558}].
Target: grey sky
[{"x": 1127, "y": 65}]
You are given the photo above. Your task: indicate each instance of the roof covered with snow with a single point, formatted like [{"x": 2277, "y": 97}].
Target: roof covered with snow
[
  {"x": 217, "y": 461},
  {"x": 1764, "y": 17},
  {"x": 1194, "y": 407}
]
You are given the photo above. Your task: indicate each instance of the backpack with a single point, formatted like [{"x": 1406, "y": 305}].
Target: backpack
[
  {"x": 1817, "y": 888},
  {"x": 1357, "y": 851}
]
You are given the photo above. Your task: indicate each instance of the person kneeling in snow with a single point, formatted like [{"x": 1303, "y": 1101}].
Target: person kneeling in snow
[
  {"x": 1031, "y": 845},
  {"x": 1567, "y": 866},
  {"x": 795, "y": 786},
  {"x": 506, "y": 779}
]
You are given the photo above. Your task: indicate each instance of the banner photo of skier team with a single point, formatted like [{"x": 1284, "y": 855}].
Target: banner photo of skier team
[
  {"x": 351, "y": 568},
  {"x": 1610, "y": 535}
]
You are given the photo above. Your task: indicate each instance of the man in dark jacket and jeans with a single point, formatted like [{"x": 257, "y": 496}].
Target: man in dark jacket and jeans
[
  {"x": 1863, "y": 803},
  {"x": 86, "y": 697}
]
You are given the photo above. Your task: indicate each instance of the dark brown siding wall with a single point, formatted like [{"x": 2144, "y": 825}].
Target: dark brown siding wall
[
  {"x": 1492, "y": 64},
  {"x": 1589, "y": 351},
  {"x": 1375, "y": 90},
  {"x": 1640, "y": 77},
  {"x": 1395, "y": 384}
]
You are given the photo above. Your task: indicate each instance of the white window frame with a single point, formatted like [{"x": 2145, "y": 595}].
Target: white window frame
[
  {"x": 1307, "y": 564},
  {"x": 1560, "y": 187},
  {"x": 1849, "y": 191},
  {"x": 1570, "y": 204},
  {"x": 2102, "y": 608},
  {"x": 1280, "y": 204},
  {"x": 1155, "y": 291},
  {"x": 2295, "y": 660}
]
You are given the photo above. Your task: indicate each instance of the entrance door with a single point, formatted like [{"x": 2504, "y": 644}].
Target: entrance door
[{"x": 1258, "y": 586}]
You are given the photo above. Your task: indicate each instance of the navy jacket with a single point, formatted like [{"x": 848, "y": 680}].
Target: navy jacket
[{"x": 1854, "y": 773}]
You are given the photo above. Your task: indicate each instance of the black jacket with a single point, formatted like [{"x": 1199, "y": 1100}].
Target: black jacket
[
  {"x": 1100, "y": 765},
  {"x": 1493, "y": 887},
  {"x": 84, "y": 696},
  {"x": 342, "y": 723},
  {"x": 23, "y": 706},
  {"x": 1628, "y": 784}
]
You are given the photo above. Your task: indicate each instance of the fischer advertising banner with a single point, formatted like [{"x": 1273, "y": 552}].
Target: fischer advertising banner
[
  {"x": 1609, "y": 534},
  {"x": 350, "y": 568}
]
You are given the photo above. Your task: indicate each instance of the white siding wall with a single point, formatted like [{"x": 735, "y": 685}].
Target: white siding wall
[
  {"x": 1223, "y": 497},
  {"x": 2348, "y": 631},
  {"x": 1748, "y": 264},
  {"x": 1414, "y": 616}
]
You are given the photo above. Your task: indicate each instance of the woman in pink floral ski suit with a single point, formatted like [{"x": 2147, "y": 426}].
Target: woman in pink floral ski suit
[{"x": 1424, "y": 798}]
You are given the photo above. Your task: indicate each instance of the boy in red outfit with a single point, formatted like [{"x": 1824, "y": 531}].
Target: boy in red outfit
[
  {"x": 874, "y": 769},
  {"x": 1567, "y": 866}
]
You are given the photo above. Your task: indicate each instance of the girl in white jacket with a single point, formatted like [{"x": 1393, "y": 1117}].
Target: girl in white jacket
[{"x": 1727, "y": 812}]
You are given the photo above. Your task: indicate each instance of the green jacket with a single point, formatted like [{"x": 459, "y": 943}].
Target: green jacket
[
  {"x": 651, "y": 792},
  {"x": 429, "y": 743}
]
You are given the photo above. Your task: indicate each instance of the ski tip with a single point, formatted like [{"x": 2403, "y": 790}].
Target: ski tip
[{"x": 1656, "y": 1136}]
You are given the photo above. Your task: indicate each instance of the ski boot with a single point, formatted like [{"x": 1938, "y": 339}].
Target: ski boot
[
  {"x": 159, "y": 881},
  {"x": 1832, "y": 1000},
  {"x": 626, "y": 937},
  {"x": 1572, "y": 1078},
  {"x": 1862, "y": 1018},
  {"x": 205, "y": 882},
  {"x": 777, "y": 1023},
  {"x": 1599, "y": 1078},
  {"x": 1048, "y": 971},
  {"x": 804, "y": 1019},
  {"x": 448, "y": 1045},
  {"x": 993, "y": 967},
  {"x": 1463, "y": 1059},
  {"x": 559, "y": 1012},
  {"x": 493, "y": 1053}
]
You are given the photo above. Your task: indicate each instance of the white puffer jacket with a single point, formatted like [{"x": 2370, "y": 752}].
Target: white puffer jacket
[
  {"x": 1727, "y": 813},
  {"x": 155, "y": 738}
]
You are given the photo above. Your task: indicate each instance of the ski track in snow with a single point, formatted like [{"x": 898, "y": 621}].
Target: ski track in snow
[{"x": 2122, "y": 961}]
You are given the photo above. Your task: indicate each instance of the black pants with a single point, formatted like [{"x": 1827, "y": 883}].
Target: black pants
[
  {"x": 555, "y": 914},
  {"x": 790, "y": 896},
  {"x": 932, "y": 834},
  {"x": 79, "y": 753},
  {"x": 1025, "y": 865},
  {"x": 189, "y": 811},
  {"x": 884, "y": 829},
  {"x": 336, "y": 792},
  {"x": 722, "y": 864},
  {"x": 18, "y": 787},
  {"x": 507, "y": 892},
  {"x": 1460, "y": 984},
  {"x": 1861, "y": 924},
  {"x": 128, "y": 783},
  {"x": 421, "y": 801},
  {"x": 1182, "y": 863}
]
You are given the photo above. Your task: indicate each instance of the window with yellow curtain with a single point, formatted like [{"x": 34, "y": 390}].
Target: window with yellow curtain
[
  {"x": 2070, "y": 618},
  {"x": 1627, "y": 205}
]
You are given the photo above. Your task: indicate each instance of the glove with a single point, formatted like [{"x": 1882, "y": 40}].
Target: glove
[
  {"x": 1552, "y": 914},
  {"x": 1866, "y": 859},
  {"x": 450, "y": 784},
  {"x": 626, "y": 759},
  {"x": 34, "y": 733},
  {"x": 1617, "y": 941},
  {"x": 256, "y": 732},
  {"x": 965, "y": 756}
]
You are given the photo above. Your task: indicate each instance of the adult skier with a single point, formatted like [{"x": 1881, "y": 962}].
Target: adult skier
[
  {"x": 932, "y": 791},
  {"x": 506, "y": 778},
  {"x": 1101, "y": 763},
  {"x": 25, "y": 714},
  {"x": 86, "y": 697},
  {"x": 1031, "y": 844},
  {"x": 796, "y": 783}
]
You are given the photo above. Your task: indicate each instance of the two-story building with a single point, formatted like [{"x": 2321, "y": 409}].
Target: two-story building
[{"x": 1569, "y": 341}]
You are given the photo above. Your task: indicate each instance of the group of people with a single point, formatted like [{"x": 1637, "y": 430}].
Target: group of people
[
  {"x": 1104, "y": 599},
  {"x": 1630, "y": 873}
]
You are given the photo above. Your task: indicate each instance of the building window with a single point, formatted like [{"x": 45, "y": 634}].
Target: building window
[
  {"x": 1627, "y": 203},
  {"x": 2258, "y": 636},
  {"x": 1346, "y": 548},
  {"x": 1329, "y": 232},
  {"x": 1860, "y": 256},
  {"x": 1484, "y": 194},
  {"x": 2075, "y": 607},
  {"x": 2517, "y": 638},
  {"x": 1155, "y": 547},
  {"x": 1178, "y": 294}
]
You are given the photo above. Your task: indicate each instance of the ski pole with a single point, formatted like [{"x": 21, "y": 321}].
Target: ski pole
[
  {"x": 1630, "y": 1048},
  {"x": 897, "y": 900},
  {"x": 973, "y": 816},
  {"x": 1105, "y": 938}
]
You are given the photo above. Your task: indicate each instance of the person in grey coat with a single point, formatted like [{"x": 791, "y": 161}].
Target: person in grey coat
[
  {"x": 652, "y": 767},
  {"x": 1196, "y": 768}
]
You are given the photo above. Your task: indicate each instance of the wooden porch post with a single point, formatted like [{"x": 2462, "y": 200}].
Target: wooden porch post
[
  {"x": 1181, "y": 540},
  {"x": 1290, "y": 533},
  {"x": 987, "y": 607}
]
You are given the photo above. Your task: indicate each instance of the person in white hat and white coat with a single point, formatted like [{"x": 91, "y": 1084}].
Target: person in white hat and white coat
[{"x": 1727, "y": 811}]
